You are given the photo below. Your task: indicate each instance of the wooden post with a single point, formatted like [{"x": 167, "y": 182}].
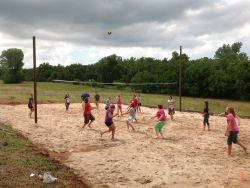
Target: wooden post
[
  {"x": 34, "y": 76},
  {"x": 180, "y": 76}
]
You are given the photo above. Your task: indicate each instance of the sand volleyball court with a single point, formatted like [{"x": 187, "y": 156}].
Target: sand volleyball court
[{"x": 187, "y": 157}]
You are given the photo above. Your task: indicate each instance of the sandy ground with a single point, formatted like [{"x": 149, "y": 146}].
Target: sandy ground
[{"x": 187, "y": 157}]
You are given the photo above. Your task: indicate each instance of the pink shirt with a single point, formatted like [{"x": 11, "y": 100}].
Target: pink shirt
[
  {"x": 161, "y": 115},
  {"x": 231, "y": 119},
  {"x": 119, "y": 101}
]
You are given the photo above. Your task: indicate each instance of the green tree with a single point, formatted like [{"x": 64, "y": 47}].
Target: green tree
[
  {"x": 11, "y": 63},
  {"x": 27, "y": 74},
  {"x": 109, "y": 69},
  {"x": 44, "y": 72},
  {"x": 144, "y": 77}
]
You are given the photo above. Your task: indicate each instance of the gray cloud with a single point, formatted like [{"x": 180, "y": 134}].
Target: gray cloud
[
  {"x": 134, "y": 23},
  {"x": 88, "y": 21}
]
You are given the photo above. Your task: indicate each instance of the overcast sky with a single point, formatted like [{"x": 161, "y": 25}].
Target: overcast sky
[{"x": 75, "y": 31}]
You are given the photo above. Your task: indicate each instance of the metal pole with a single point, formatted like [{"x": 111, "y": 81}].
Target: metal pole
[
  {"x": 34, "y": 76},
  {"x": 180, "y": 76}
]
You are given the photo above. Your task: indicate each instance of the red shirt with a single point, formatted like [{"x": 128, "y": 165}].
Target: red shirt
[
  {"x": 135, "y": 101},
  {"x": 87, "y": 109}
]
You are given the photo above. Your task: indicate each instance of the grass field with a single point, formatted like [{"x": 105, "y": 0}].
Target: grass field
[
  {"x": 18, "y": 159},
  {"x": 54, "y": 92}
]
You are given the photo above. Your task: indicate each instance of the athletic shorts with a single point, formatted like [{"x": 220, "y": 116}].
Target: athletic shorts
[
  {"x": 232, "y": 138},
  {"x": 67, "y": 105},
  {"x": 205, "y": 121},
  {"x": 159, "y": 125},
  {"x": 109, "y": 123},
  {"x": 171, "y": 111},
  {"x": 88, "y": 117},
  {"x": 130, "y": 119},
  {"x": 30, "y": 106},
  {"x": 139, "y": 104}
]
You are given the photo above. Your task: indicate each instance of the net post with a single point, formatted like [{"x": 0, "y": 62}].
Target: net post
[
  {"x": 34, "y": 76},
  {"x": 180, "y": 77}
]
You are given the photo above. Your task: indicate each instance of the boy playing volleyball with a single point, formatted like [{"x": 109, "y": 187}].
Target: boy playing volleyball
[{"x": 88, "y": 117}]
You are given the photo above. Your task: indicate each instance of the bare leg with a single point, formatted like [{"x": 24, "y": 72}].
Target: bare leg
[
  {"x": 67, "y": 108},
  {"x": 105, "y": 132},
  {"x": 84, "y": 125},
  {"x": 90, "y": 123},
  {"x": 229, "y": 150},
  {"x": 241, "y": 145},
  {"x": 161, "y": 134},
  {"x": 129, "y": 124},
  {"x": 111, "y": 128},
  {"x": 113, "y": 132},
  {"x": 204, "y": 126},
  {"x": 31, "y": 110},
  {"x": 157, "y": 134}
]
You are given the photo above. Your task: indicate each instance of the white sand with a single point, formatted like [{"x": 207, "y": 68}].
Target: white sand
[{"x": 188, "y": 157}]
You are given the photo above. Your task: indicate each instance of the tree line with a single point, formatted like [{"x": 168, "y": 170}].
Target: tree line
[{"x": 226, "y": 75}]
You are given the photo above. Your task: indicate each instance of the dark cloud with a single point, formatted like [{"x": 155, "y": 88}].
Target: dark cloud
[
  {"x": 134, "y": 23},
  {"x": 87, "y": 22}
]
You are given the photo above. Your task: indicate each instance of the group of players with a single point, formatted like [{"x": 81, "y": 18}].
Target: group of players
[
  {"x": 232, "y": 129},
  {"x": 133, "y": 108}
]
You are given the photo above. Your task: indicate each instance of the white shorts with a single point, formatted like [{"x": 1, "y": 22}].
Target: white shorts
[{"x": 130, "y": 119}]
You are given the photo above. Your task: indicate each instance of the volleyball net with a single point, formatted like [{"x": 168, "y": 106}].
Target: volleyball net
[{"x": 114, "y": 83}]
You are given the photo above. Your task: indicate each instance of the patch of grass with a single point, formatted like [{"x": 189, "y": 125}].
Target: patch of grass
[
  {"x": 18, "y": 161},
  {"x": 54, "y": 92}
]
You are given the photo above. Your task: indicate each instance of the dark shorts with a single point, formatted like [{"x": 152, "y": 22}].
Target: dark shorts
[
  {"x": 67, "y": 105},
  {"x": 205, "y": 121},
  {"x": 171, "y": 111},
  {"x": 30, "y": 106},
  {"x": 139, "y": 104},
  {"x": 88, "y": 117},
  {"x": 232, "y": 138},
  {"x": 109, "y": 123}
]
